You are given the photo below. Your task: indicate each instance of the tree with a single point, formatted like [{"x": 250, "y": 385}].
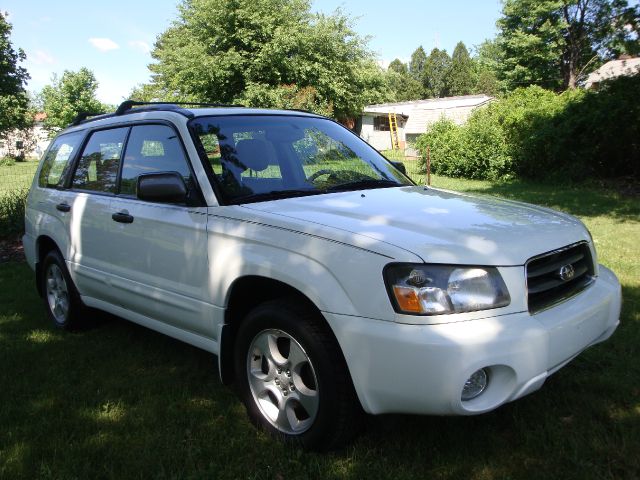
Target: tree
[
  {"x": 403, "y": 87},
  {"x": 398, "y": 67},
  {"x": 487, "y": 61},
  {"x": 416, "y": 65},
  {"x": 552, "y": 43},
  {"x": 14, "y": 102},
  {"x": 462, "y": 74},
  {"x": 435, "y": 76},
  {"x": 264, "y": 53},
  {"x": 69, "y": 95},
  {"x": 401, "y": 84}
]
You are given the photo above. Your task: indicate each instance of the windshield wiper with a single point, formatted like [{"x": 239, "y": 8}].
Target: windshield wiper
[
  {"x": 274, "y": 195},
  {"x": 364, "y": 184}
]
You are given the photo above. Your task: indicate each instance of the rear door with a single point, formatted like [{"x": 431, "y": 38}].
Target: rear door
[
  {"x": 93, "y": 186},
  {"x": 51, "y": 203}
]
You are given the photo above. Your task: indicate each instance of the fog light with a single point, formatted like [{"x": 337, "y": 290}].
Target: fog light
[{"x": 475, "y": 385}]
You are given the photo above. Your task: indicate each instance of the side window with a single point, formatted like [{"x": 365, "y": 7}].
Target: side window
[
  {"x": 56, "y": 163},
  {"x": 98, "y": 166},
  {"x": 211, "y": 147},
  {"x": 152, "y": 148}
]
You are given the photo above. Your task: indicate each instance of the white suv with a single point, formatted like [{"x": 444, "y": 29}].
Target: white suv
[{"x": 325, "y": 280}]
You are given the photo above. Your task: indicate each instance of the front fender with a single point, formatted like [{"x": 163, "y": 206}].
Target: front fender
[{"x": 336, "y": 276}]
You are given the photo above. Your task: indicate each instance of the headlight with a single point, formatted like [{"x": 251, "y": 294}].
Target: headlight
[{"x": 439, "y": 289}]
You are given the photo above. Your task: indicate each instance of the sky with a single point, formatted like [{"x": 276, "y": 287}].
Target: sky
[{"x": 114, "y": 38}]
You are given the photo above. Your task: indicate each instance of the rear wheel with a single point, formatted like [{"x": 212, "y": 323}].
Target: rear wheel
[
  {"x": 61, "y": 299},
  {"x": 293, "y": 378}
]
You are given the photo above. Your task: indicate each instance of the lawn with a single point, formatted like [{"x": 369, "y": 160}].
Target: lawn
[
  {"x": 120, "y": 401},
  {"x": 17, "y": 176}
]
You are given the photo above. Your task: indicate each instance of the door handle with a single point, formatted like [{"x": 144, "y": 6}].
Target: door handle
[
  {"x": 122, "y": 217},
  {"x": 63, "y": 207}
]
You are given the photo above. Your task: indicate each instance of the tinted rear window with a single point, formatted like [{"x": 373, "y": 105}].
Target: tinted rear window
[{"x": 57, "y": 160}]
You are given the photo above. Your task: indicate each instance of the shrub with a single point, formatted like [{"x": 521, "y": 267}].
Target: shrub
[
  {"x": 477, "y": 150},
  {"x": 7, "y": 162},
  {"x": 598, "y": 133},
  {"x": 536, "y": 133},
  {"x": 12, "y": 211},
  {"x": 444, "y": 138}
]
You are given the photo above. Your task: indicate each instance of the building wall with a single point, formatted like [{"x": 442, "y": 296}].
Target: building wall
[
  {"x": 380, "y": 139},
  {"x": 36, "y": 142},
  {"x": 417, "y": 116}
]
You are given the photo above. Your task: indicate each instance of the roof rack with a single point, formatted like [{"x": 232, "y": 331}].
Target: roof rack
[
  {"x": 82, "y": 116},
  {"x": 127, "y": 107}
]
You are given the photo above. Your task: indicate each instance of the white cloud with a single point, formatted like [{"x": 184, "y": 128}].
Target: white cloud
[
  {"x": 140, "y": 46},
  {"x": 112, "y": 93},
  {"x": 104, "y": 44},
  {"x": 40, "y": 57}
]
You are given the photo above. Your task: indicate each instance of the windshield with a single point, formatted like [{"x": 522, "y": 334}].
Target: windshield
[{"x": 264, "y": 157}]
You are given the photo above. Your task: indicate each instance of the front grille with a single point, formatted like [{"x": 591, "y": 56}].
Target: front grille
[{"x": 549, "y": 279}]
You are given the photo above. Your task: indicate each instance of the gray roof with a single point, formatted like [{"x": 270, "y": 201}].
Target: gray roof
[
  {"x": 422, "y": 113},
  {"x": 613, "y": 69}
]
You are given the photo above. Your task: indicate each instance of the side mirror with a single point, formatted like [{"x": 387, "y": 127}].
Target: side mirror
[
  {"x": 165, "y": 187},
  {"x": 400, "y": 166}
]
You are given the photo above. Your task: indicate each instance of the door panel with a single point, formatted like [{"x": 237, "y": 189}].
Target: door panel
[
  {"x": 158, "y": 251},
  {"x": 89, "y": 256},
  {"x": 94, "y": 182},
  {"x": 159, "y": 263}
]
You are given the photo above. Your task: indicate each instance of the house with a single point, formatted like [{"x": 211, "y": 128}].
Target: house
[
  {"x": 31, "y": 143},
  {"x": 625, "y": 65},
  {"x": 414, "y": 118}
]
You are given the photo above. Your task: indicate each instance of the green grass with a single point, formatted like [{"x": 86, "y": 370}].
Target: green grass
[
  {"x": 120, "y": 401},
  {"x": 17, "y": 176}
]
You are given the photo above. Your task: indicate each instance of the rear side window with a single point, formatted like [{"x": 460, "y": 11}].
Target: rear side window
[
  {"x": 152, "y": 148},
  {"x": 98, "y": 166},
  {"x": 56, "y": 162}
]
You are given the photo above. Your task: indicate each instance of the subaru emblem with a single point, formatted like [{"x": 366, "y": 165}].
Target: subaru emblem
[{"x": 567, "y": 272}]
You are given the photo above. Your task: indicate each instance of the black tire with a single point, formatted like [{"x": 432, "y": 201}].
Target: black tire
[
  {"x": 337, "y": 415},
  {"x": 61, "y": 299}
]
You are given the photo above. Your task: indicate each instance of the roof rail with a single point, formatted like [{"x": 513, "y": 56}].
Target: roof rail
[
  {"x": 82, "y": 116},
  {"x": 128, "y": 105}
]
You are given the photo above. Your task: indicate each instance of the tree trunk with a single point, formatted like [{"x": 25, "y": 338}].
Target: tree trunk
[{"x": 572, "y": 76}]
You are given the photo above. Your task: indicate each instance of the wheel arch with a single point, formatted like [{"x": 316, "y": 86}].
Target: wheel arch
[
  {"x": 246, "y": 293},
  {"x": 44, "y": 244}
]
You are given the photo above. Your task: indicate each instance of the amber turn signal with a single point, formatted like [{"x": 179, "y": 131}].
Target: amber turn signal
[{"x": 407, "y": 299}]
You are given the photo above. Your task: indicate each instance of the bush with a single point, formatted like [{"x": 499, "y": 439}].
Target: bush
[
  {"x": 477, "y": 150},
  {"x": 536, "y": 133},
  {"x": 7, "y": 162},
  {"x": 12, "y": 211},
  {"x": 599, "y": 132}
]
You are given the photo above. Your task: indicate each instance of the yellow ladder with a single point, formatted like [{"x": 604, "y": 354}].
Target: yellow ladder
[{"x": 393, "y": 128}]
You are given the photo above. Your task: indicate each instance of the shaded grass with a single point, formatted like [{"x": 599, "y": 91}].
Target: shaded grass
[{"x": 120, "y": 401}]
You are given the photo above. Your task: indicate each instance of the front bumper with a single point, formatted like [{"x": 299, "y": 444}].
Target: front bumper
[{"x": 422, "y": 368}]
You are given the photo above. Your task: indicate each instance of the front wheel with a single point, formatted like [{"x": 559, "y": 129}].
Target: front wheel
[{"x": 293, "y": 378}]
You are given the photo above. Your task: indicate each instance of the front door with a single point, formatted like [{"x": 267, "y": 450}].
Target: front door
[{"x": 158, "y": 252}]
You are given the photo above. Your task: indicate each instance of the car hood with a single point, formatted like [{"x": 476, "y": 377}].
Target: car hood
[{"x": 438, "y": 225}]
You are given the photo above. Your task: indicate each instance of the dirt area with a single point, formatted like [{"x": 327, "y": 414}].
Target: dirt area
[{"x": 11, "y": 250}]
